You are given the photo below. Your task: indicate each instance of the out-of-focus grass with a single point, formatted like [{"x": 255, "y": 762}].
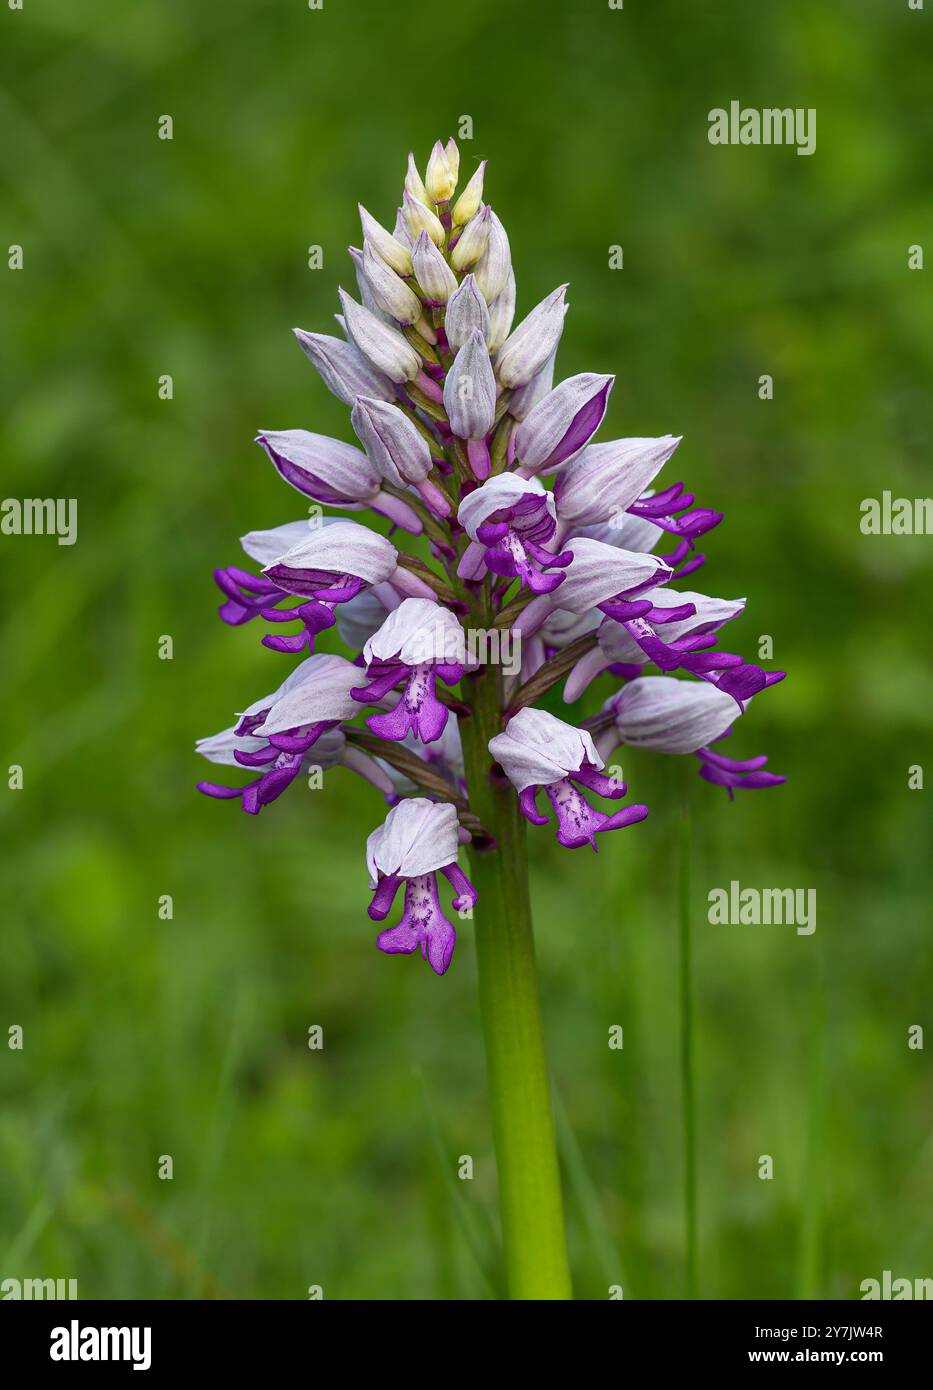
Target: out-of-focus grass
[{"x": 187, "y": 1036}]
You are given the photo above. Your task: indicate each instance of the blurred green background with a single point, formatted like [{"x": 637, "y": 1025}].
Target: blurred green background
[{"x": 187, "y": 1037}]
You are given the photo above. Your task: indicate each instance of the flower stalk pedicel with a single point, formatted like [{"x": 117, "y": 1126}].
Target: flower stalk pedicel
[{"x": 507, "y": 521}]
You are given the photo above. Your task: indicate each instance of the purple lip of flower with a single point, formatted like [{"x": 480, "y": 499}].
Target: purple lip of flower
[
  {"x": 538, "y": 750},
  {"x": 727, "y": 671},
  {"x": 418, "y": 839},
  {"x": 663, "y": 509},
  {"x": 510, "y": 521},
  {"x": 747, "y": 774},
  {"x": 418, "y": 642}
]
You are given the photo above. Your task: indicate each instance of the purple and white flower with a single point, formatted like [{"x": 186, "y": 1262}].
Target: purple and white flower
[
  {"x": 681, "y": 716},
  {"x": 509, "y": 521},
  {"x": 419, "y": 642},
  {"x": 417, "y": 840},
  {"x": 276, "y": 732},
  {"x": 539, "y": 752}
]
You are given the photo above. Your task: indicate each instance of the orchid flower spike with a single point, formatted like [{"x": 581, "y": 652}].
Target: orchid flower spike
[{"x": 485, "y": 547}]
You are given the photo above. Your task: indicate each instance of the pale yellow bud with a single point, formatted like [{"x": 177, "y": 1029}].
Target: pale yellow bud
[
  {"x": 422, "y": 219},
  {"x": 441, "y": 177},
  {"x": 468, "y": 204},
  {"x": 414, "y": 184},
  {"x": 453, "y": 158}
]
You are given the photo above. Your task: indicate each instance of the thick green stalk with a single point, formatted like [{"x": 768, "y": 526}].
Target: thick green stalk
[
  {"x": 686, "y": 1058},
  {"x": 523, "y": 1127}
]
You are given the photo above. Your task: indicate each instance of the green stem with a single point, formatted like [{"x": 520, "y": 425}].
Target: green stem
[
  {"x": 686, "y": 1058},
  {"x": 523, "y": 1126}
]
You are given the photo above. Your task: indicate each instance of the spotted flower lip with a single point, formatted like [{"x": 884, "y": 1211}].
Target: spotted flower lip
[
  {"x": 528, "y": 347},
  {"x": 344, "y": 371},
  {"x": 417, "y": 840},
  {"x": 509, "y": 521},
  {"x": 539, "y": 751},
  {"x": 561, "y": 423},
  {"x": 418, "y": 642}
]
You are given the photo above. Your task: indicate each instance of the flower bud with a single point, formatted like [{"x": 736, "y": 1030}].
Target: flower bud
[
  {"x": 344, "y": 370},
  {"x": 441, "y": 177},
  {"x": 389, "y": 291},
  {"x": 367, "y": 297},
  {"x": 470, "y": 390},
  {"x": 525, "y": 398},
  {"x": 392, "y": 252},
  {"x": 381, "y": 344},
  {"x": 492, "y": 268},
  {"x": 328, "y": 470},
  {"x": 421, "y": 218},
  {"x": 562, "y": 423},
  {"x": 470, "y": 200},
  {"x": 414, "y": 184},
  {"x": 471, "y": 243},
  {"x": 466, "y": 311},
  {"x": 400, "y": 231},
  {"x": 453, "y": 159},
  {"x": 528, "y": 348},
  {"x": 391, "y": 441},
  {"x": 436, "y": 280},
  {"x": 501, "y": 313}
]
